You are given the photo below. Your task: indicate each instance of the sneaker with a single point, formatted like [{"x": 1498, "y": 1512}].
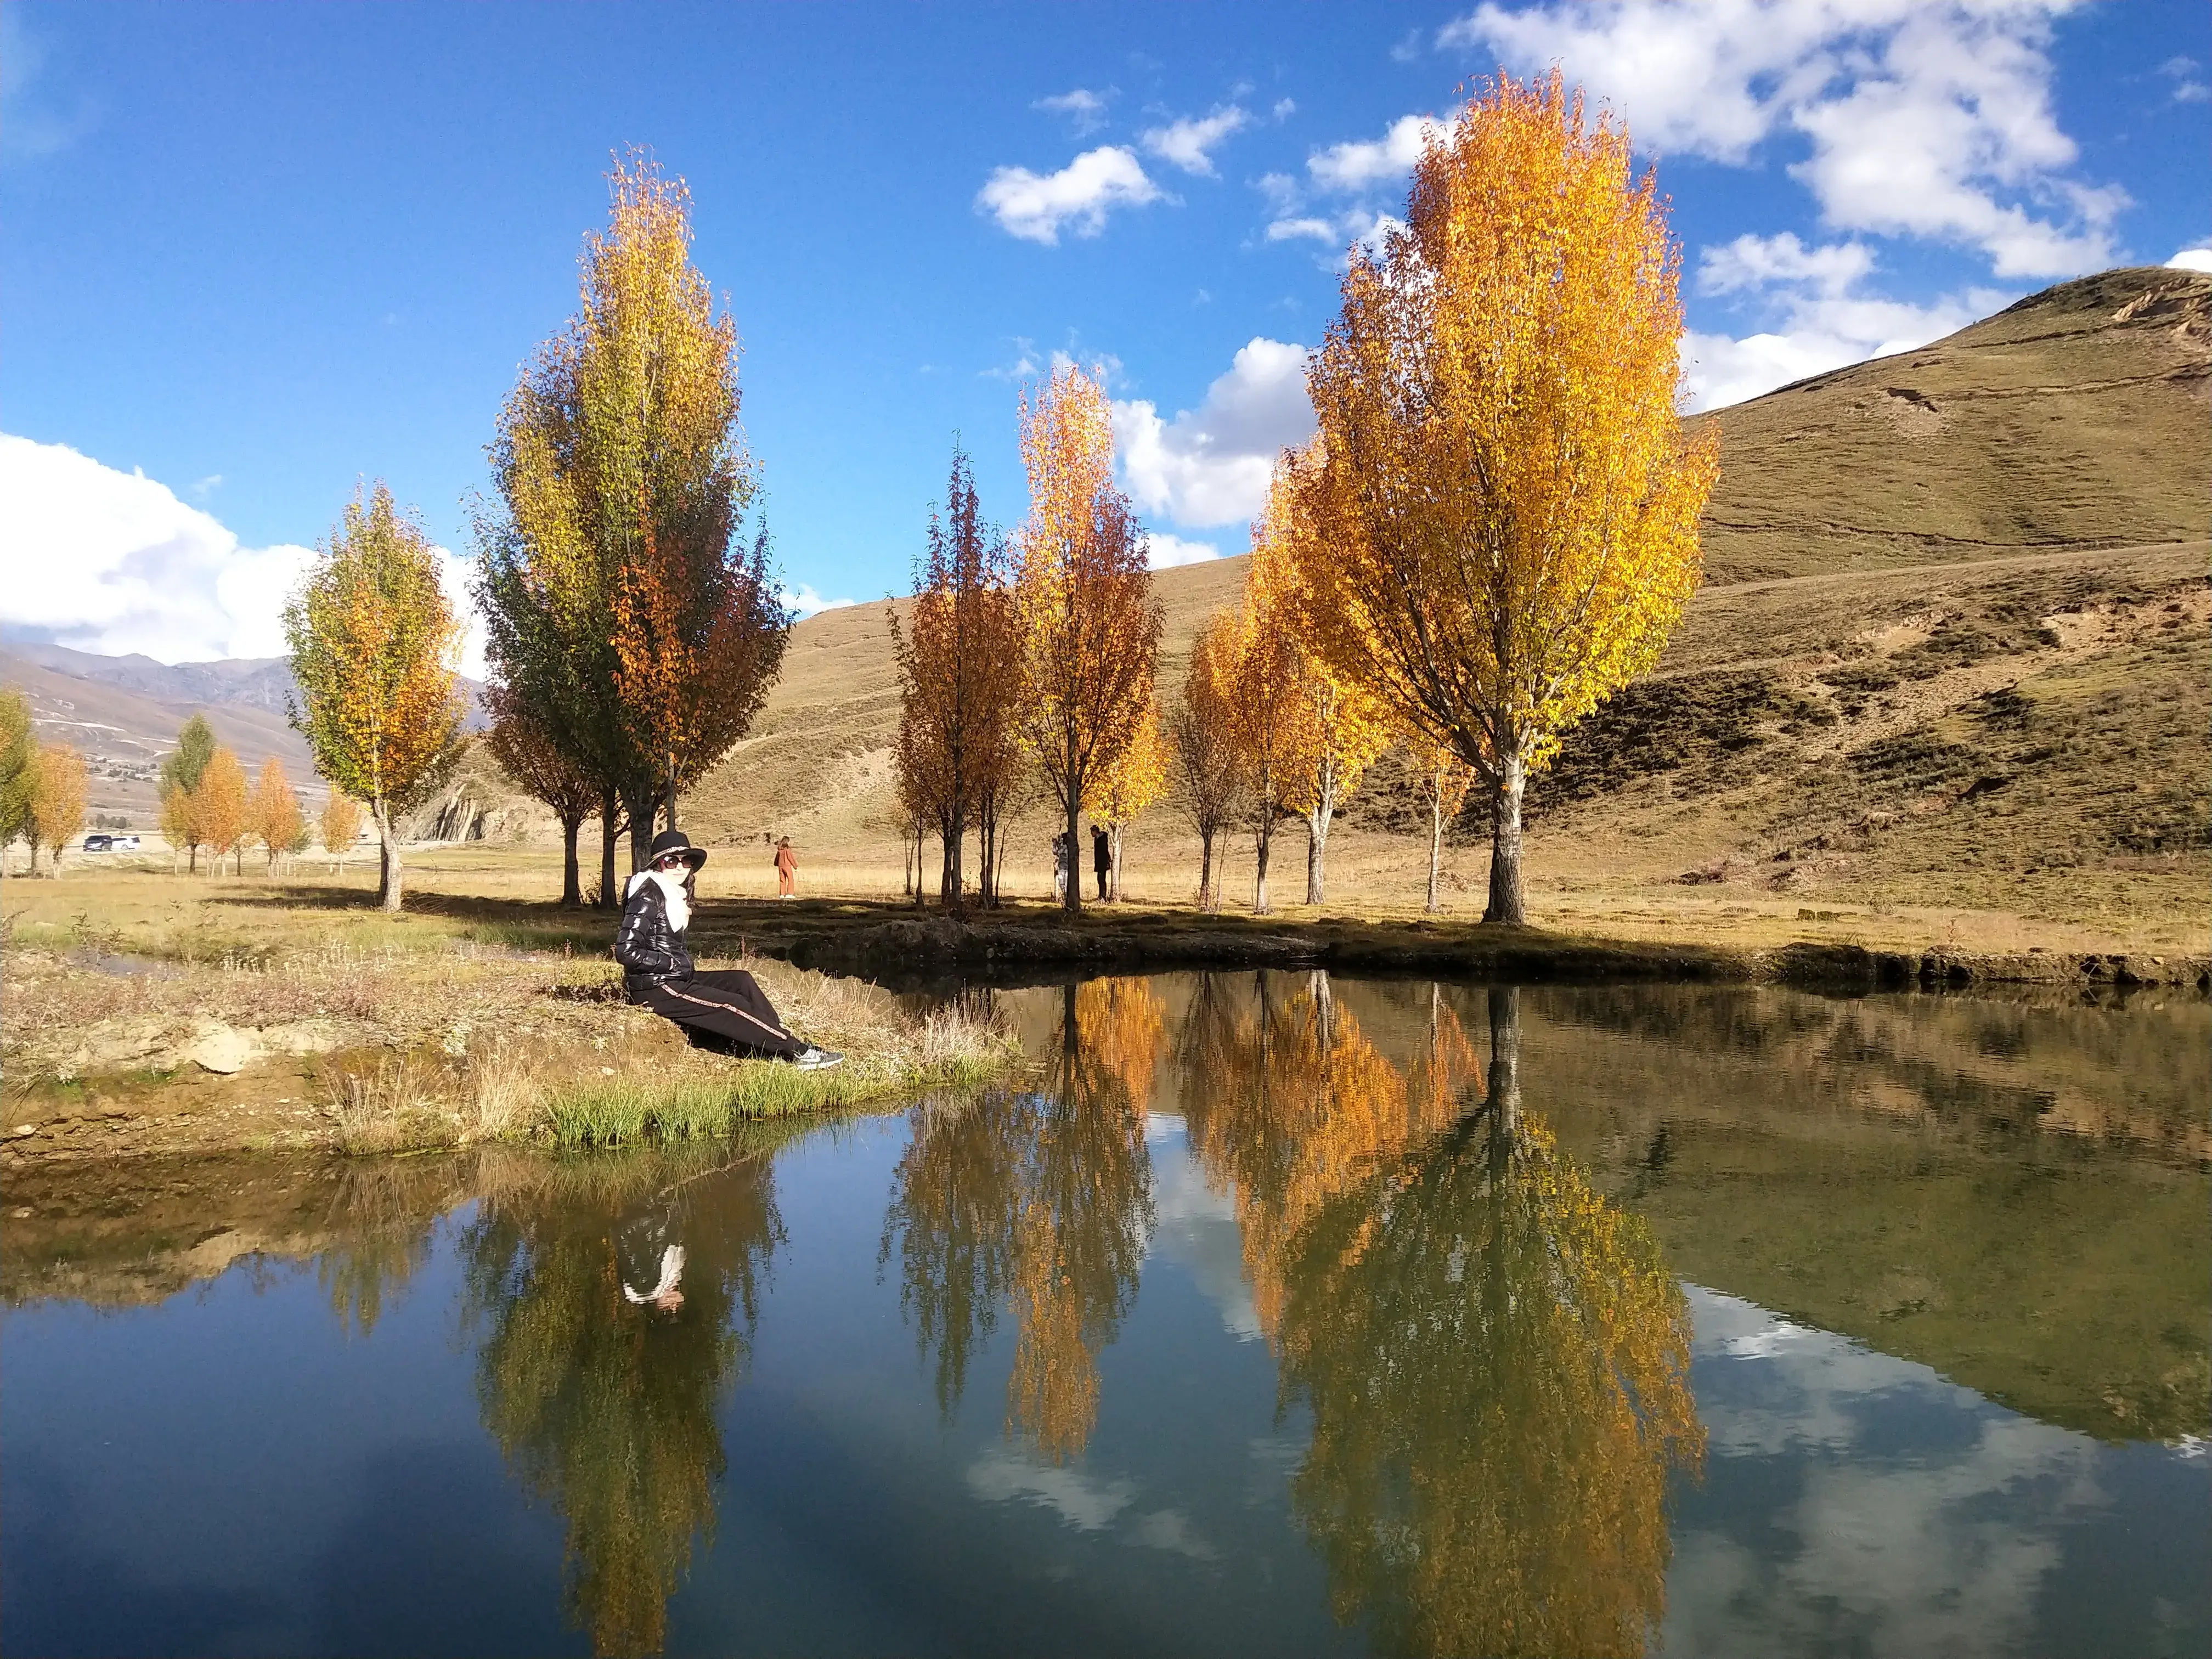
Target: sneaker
[{"x": 811, "y": 1058}]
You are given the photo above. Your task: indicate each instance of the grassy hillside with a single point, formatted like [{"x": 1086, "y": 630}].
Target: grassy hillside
[{"x": 1951, "y": 654}]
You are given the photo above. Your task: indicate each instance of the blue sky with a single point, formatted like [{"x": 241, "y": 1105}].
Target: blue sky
[{"x": 254, "y": 253}]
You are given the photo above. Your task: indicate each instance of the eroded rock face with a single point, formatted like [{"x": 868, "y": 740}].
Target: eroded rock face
[{"x": 221, "y": 1048}]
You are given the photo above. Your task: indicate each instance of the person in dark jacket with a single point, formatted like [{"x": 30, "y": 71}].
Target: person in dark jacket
[
  {"x": 726, "y": 1007},
  {"x": 1102, "y": 856}
]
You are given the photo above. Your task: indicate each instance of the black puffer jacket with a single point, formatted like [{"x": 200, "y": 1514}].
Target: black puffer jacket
[{"x": 650, "y": 950}]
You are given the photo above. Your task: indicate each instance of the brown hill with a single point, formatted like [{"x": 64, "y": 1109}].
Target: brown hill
[{"x": 1951, "y": 652}]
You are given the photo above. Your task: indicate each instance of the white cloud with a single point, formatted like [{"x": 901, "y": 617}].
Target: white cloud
[
  {"x": 1166, "y": 552},
  {"x": 1037, "y": 206},
  {"x": 1084, "y": 1501},
  {"x": 1290, "y": 230},
  {"x": 2189, "y": 87},
  {"x": 1210, "y": 466},
  {"x": 805, "y": 602},
  {"x": 1824, "y": 319},
  {"x": 113, "y": 562},
  {"x": 1363, "y": 164},
  {"x": 1084, "y": 109},
  {"x": 1285, "y": 109},
  {"x": 1187, "y": 143},
  {"x": 2191, "y": 258},
  {"x": 1925, "y": 117}
]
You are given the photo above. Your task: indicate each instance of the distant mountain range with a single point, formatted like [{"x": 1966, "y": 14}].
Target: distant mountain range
[{"x": 123, "y": 713}]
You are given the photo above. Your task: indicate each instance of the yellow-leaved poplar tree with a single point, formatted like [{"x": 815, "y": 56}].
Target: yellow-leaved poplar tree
[
  {"x": 56, "y": 800},
  {"x": 1442, "y": 779},
  {"x": 341, "y": 826},
  {"x": 1090, "y": 623},
  {"x": 375, "y": 649},
  {"x": 1340, "y": 727},
  {"x": 1201, "y": 745},
  {"x": 1264, "y": 725},
  {"x": 225, "y": 806},
  {"x": 620, "y": 600},
  {"x": 1138, "y": 777},
  {"x": 273, "y": 812},
  {"x": 1508, "y": 496}
]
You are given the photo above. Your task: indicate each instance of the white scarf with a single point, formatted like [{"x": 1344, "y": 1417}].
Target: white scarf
[{"x": 671, "y": 888}]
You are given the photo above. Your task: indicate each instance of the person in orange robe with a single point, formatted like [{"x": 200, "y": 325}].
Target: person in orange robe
[{"x": 787, "y": 870}]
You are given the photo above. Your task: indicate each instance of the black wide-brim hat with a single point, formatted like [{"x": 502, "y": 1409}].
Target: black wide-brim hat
[{"x": 675, "y": 841}]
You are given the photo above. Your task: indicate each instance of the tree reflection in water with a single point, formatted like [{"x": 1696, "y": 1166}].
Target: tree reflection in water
[
  {"x": 1497, "y": 1361},
  {"x": 607, "y": 1409},
  {"x": 1041, "y": 1201}
]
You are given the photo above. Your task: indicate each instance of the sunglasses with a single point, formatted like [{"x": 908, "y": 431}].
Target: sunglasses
[{"x": 670, "y": 861}]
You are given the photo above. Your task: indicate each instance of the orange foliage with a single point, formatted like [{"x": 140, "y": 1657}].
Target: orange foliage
[
  {"x": 57, "y": 798},
  {"x": 225, "y": 807},
  {"x": 273, "y": 813},
  {"x": 341, "y": 824}
]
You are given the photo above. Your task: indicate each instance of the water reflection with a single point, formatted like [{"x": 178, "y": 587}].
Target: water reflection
[
  {"x": 604, "y": 1403},
  {"x": 1496, "y": 1360},
  {"x": 1041, "y": 1199}
]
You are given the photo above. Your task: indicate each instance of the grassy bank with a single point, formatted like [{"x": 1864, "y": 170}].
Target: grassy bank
[{"x": 126, "y": 1033}]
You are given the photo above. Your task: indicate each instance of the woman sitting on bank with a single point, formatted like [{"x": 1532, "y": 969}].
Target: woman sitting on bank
[{"x": 726, "y": 1007}]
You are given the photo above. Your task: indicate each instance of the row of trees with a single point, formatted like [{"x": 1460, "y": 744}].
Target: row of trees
[
  {"x": 1033, "y": 663},
  {"x": 207, "y": 803},
  {"x": 1494, "y": 529},
  {"x": 42, "y": 785}
]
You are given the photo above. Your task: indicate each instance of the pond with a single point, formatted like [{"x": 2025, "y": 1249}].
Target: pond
[{"x": 1270, "y": 1314}]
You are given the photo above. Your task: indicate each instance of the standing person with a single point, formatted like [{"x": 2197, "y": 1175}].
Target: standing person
[
  {"x": 1102, "y": 856},
  {"x": 726, "y": 1007},
  {"x": 787, "y": 870},
  {"x": 1059, "y": 850}
]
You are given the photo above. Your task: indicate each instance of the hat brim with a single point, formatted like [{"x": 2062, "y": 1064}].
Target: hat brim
[{"x": 694, "y": 856}]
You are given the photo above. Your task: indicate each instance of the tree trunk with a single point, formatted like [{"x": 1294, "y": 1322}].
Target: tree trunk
[
  {"x": 1316, "y": 852},
  {"x": 387, "y": 860},
  {"x": 950, "y": 877},
  {"x": 671, "y": 789},
  {"x": 1508, "y": 904},
  {"x": 1113, "y": 875},
  {"x": 641, "y": 804},
  {"x": 1504, "y": 1057},
  {"x": 191, "y": 865},
  {"x": 1261, "y": 837},
  {"x": 1436, "y": 847},
  {"x": 986, "y": 835},
  {"x": 1206, "y": 869},
  {"x": 609, "y": 815},
  {"x": 1073, "y": 903},
  {"x": 572, "y": 875}
]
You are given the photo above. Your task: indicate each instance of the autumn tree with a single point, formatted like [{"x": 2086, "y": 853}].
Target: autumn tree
[
  {"x": 959, "y": 663},
  {"x": 1090, "y": 622},
  {"x": 1138, "y": 777},
  {"x": 1265, "y": 729},
  {"x": 180, "y": 775},
  {"x": 1507, "y": 495},
  {"x": 522, "y": 739},
  {"x": 341, "y": 826},
  {"x": 225, "y": 806},
  {"x": 1442, "y": 779},
  {"x": 620, "y": 598},
  {"x": 273, "y": 815},
  {"x": 1202, "y": 762},
  {"x": 374, "y": 644},
  {"x": 1339, "y": 727},
  {"x": 18, "y": 766},
  {"x": 56, "y": 800}
]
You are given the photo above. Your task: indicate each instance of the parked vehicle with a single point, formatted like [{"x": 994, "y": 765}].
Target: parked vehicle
[
  {"x": 123, "y": 843},
  {"x": 98, "y": 843}
]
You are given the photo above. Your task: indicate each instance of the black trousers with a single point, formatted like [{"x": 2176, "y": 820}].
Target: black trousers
[{"x": 723, "y": 1009}]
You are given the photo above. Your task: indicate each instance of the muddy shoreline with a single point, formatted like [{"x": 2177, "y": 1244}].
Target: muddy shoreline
[{"x": 922, "y": 952}]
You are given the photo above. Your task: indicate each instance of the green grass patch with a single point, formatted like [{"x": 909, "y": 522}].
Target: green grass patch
[{"x": 626, "y": 1112}]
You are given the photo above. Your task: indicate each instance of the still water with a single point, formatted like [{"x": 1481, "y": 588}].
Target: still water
[{"x": 1269, "y": 1314}]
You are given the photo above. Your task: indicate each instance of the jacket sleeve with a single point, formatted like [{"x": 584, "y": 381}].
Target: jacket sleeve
[{"x": 642, "y": 940}]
